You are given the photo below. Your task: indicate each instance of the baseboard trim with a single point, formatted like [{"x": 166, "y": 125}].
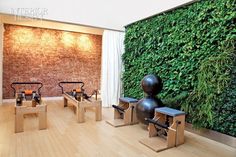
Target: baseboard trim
[
  {"x": 213, "y": 135},
  {"x": 8, "y": 101},
  {"x": 53, "y": 98}
]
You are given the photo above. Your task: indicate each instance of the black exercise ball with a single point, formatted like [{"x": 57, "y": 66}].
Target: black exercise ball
[
  {"x": 152, "y": 84},
  {"x": 145, "y": 108}
]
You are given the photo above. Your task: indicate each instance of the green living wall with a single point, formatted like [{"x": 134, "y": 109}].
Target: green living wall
[{"x": 193, "y": 50}]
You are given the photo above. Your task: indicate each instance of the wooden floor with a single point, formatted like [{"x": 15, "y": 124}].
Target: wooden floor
[{"x": 67, "y": 138}]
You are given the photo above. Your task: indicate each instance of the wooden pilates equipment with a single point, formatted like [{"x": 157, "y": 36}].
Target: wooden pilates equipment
[
  {"x": 124, "y": 113},
  {"x": 81, "y": 101},
  {"x": 29, "y": 102},
  {"x": 20, "y": 111},
  {"x": 82, "y": 105},
  {"x": 166, "y": 129}
]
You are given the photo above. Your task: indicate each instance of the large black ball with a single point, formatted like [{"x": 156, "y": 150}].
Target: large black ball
[
  {"x": 152, "y": 84},
  {"x": 145, "y": 108}
]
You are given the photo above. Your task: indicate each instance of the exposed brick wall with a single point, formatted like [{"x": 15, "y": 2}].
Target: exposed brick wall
[{"x": 50, "y": 56}]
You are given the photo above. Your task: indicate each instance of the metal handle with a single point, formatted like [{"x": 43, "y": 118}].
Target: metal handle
[
  {"x": 156, "y": 123},
  {"x": 22, "y": 83},
  {"x": 69, "y": 82}
]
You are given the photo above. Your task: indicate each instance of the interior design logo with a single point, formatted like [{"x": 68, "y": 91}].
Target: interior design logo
[{"x": 22, "y": 14}]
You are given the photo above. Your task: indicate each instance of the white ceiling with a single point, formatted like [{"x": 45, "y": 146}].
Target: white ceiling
[
  {"x": 10, "y": 19},
  {"x": 110, "y": 14}
]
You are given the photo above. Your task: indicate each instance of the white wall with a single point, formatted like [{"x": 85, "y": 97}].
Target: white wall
[
  {"x": 1, "y": 56},
  {"x": 10, "y": 19},
  {"x": 111, "y": 14}
]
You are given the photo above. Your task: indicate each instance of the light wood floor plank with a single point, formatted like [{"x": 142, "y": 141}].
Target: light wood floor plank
[{"x": 67, "y": 138}]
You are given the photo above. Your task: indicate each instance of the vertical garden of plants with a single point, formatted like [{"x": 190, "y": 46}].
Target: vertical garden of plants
[{"x": 192, "y": 49}]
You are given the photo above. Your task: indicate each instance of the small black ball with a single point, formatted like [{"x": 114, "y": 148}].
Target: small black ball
[{"x": 152, "y": 84}]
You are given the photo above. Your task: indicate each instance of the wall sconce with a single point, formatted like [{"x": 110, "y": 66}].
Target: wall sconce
[
  {"x": 23, "y": 36},
  {"x": 68, "y": 39},
  {"x": 48, "y": 39},
  {"x": 84, "y": 43}
]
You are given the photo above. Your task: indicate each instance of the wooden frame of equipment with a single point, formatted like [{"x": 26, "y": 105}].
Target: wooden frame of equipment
[
  {"x": 20, "y": 111},
  {"x": 82, "y": 105},
  {"x": 124, "y": 113},
  {"x": 29, "y": 102},
  {"x": 169, "y": 122},
  {"x": 81, "y": 101}
]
